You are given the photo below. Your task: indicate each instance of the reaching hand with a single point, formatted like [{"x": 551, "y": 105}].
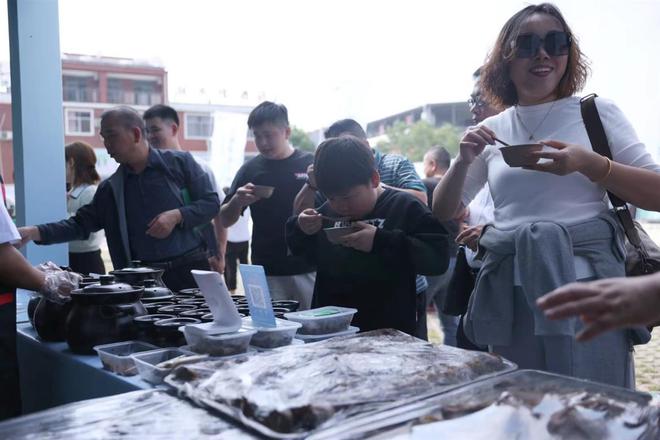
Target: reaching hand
[
  {"x": 163, "y": 224},
  {"x": 565, "y": 158},
  {"x": 28, "y": 234},
  {"x": 363, "y": 239},
  {"x": 245, "y": 196},
  {"x": 58, "y": 283},
  {"x": 217, "y": 264},
  {"x": 470, "y": 236},
  {"x": 606, "y": 304},
  {"x": 310, "y": 221},
  {"x": 310, "y": 176},
  {"x": 474, "y": 141}
]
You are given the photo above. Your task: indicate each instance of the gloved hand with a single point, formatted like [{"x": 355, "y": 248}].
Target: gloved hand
[{"x": 58, "y": 283}]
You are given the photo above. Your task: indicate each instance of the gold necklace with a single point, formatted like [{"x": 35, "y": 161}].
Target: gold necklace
[{"x": 532, "y": 132}]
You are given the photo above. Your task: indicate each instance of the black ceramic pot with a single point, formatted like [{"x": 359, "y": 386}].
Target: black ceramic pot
[
  {"x": 102, "y": 314},
  {"x": 32, "y": 306},
  {"x": 136, "y": 275},
  {"x": 50, "y": 320}
]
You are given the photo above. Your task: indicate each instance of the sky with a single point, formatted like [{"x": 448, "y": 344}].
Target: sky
[{"x": 363, "y": 59}]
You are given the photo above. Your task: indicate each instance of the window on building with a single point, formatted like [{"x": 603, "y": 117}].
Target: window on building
[
  {"x": 115, "y": 91},
  {"x": 198, "y": 126},
  {"x": 146, "y": 93},
  {"x": 79, "y": 89},
  {"x": 79, "y": 122}
]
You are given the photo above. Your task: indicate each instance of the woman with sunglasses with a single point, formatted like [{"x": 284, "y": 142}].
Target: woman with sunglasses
[{"x": 552, "y": 223}]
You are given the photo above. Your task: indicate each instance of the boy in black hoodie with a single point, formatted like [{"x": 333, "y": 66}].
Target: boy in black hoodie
[{"x": 372, "y": 269}]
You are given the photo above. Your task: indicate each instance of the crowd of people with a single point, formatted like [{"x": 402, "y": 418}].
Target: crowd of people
[{"x": 545, "y": 252}]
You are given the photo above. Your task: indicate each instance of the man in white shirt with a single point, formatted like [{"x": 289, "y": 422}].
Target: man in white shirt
[{"x": 162, "y": 124}]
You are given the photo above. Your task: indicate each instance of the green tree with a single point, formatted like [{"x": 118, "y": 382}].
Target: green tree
[
  {"x": 300, "y": 140},
  {"x": 414, "y": 140}
]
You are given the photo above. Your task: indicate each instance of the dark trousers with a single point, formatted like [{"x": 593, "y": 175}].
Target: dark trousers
[
  {"x": 86, "y": 262},
  {"x": 462, "y": 340},
  {"x": 178, "y": 278},
  {"x": 421, "y": 328},
  {"x": 10, "y": 395},
  {"x": 236, "y": 253}
]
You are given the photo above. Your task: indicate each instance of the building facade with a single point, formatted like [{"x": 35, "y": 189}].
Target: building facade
[{"x": 93, "y": 84}]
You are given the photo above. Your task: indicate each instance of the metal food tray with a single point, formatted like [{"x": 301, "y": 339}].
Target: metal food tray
[
  {"x": 204, "y": 370},
  {"x": 396, "y": 418}
]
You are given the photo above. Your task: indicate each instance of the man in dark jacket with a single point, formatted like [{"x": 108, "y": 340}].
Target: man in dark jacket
[{"x": 149, "y": 208}]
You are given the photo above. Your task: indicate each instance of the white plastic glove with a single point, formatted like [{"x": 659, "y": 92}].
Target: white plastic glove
[{"x": 58, "y": 283}]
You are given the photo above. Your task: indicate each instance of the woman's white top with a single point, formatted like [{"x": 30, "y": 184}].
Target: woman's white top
[
  {"x": 240, "y": 231},
  {"x": 78, "y": 197},
  {"x": 8, "y": 231},
  {"x": 523, "y": 196}
]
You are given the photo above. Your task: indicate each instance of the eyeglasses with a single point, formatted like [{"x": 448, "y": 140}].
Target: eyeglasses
[
  {"x": 476, "y": 102},
  {"x": 555, "y": 43}
]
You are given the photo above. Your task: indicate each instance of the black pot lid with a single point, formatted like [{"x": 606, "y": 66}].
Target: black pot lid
[
  {"x": 137, "y": 268},
  {"x": 153, "y": 290},
  {"x": 107, "y": 284}
]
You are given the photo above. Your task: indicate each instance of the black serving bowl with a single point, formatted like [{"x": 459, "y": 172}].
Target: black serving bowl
[
  {"x": 243, "y": 310},
  {"x": 167, "y": 332},
  {"x": 194, "y": 301},
  {"x": 145, "y": 325},
  {"x": 289, "y": 304},
  {"x": 177, "y": 309},
  {"x": 153, "y": 307},
  {"x": 197, "y": 313},
  {"x": 279, "y": 312},
  {"x": 189, "y": 292}
]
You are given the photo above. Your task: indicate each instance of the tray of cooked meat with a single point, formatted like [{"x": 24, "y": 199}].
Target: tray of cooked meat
[
  {"x": 294, "y": 391},
  {"x": 524, "y": 404},
  {"x": 138, "y": 415}
]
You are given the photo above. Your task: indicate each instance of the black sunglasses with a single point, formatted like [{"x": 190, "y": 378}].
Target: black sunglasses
[{"x": 555, "y": 43}]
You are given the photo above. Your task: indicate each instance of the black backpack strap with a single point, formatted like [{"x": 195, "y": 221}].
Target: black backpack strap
[{"x": 600, "y": 145}]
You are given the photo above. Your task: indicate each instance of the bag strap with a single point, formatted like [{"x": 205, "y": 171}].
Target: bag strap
[{"x": 600, "y": 145}]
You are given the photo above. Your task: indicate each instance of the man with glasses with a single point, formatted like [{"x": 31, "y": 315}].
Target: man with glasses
[{"x": 479, "y": 108}]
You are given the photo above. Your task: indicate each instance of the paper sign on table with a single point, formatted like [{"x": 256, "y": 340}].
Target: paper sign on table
[
  {"x": 258, "y": 295},
  {"x": 225, "y": 316}
]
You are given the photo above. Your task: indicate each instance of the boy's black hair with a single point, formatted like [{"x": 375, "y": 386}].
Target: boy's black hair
[
  {"x": 162, "y": 111},
  {"x": 343, "y": 163},
  {"x": 268, "y": 112},
  {"x": 345, "y": 126}
]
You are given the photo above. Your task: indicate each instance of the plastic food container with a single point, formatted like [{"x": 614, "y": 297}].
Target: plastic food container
[
  {"x": 272, "y": 337},
  {"x": 226, "y": 344},
  {"x": 147, "y": 362},
  {"x": 324, "y": 320},
  {"x": 316, "y": 338},
  {"x": 117, "y": 357}
]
